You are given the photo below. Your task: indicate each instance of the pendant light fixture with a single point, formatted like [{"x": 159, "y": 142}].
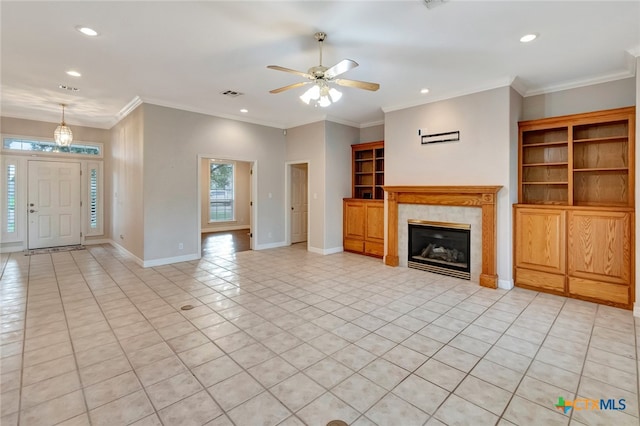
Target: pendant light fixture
[{"x": 63, "y": 135}]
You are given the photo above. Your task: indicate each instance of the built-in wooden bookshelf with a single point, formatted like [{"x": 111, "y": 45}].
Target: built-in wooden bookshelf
[
  {"x": 363, "y": 222},
  {"x": 368, "y": 170},
  {"x": 578, "y": 160},
  {"x": 573, "y": 231}
]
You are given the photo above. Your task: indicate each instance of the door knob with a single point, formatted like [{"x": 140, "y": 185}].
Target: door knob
[{"x": 33, "y": 211}]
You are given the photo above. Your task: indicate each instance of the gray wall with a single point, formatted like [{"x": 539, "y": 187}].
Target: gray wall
[
  {"x": 127, "y": 197},
  {"x": 307, "y": 144},
  {"x": 372, "y": 133},
  {"x": 339, "y": 139},
  {"x": 483, "y": 156},
  {"x": 173, "y": 140},
  {"x": 327, "y": 147},
  {"x": 613, "y": 94}
]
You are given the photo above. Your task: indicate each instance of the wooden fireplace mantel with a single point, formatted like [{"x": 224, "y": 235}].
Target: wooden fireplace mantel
[{"x": 483, "y": 197}]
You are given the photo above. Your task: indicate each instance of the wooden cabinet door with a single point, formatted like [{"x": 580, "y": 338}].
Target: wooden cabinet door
[
  {"x": 540, "y": 239},
  {"x": 354, "y": 220},
  {"x": 375, "y": 222},
  {"x": 600, "y": 245}
]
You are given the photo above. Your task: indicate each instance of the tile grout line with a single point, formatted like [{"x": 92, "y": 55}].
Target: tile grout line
[
  {"x": 380, "y": 287},
  {"x": 584, "y": 361},
  {"x": 143, "y": 387},
  {"x": 468, "y": 373},
  {"x": 66, "y": 319},
  {"x": 533, "y": 358},
  {"x": 24, "y": 338}
]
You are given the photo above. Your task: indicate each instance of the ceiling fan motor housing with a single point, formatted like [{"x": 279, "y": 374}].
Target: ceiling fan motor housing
[{"x": 317, "y": 71}]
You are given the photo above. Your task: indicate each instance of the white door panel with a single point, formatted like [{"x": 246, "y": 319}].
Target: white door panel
[{"x": 54, "y": 204}]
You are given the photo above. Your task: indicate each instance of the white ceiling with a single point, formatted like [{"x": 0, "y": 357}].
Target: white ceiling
[{"x": 182, "y": 54}]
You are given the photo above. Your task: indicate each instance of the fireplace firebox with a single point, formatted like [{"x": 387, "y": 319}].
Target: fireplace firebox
[{"x": 440, "y": 247}]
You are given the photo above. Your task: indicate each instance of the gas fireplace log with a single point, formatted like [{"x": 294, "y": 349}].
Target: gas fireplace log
[{"x": 442, "y": 253}]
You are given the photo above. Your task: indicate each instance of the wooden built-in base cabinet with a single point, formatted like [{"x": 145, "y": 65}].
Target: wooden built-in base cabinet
[
  {"x": 364, "y": 226},
  {"x": 580, "y": 253},
  {"x": 574, "y": 226},
  {"x": 363, "y": 221}
]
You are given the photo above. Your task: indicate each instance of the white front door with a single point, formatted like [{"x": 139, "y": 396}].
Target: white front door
[
  {"x": 53, "y": 204},
  {"x": 299, "y": 203}
]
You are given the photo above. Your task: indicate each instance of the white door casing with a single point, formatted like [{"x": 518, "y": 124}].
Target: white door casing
[
  {"x": 53, "y": 209},
  {"x": 299, "y": 203}
]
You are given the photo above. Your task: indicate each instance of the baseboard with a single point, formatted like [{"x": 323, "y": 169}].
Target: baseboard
[
  {"x": 170, "y": 260},
  {"x": 325, "y": 252},
  {"x": 225, "y": 228},
  {"x": 636, "y": 310},
  {"x": 270, "y": 245},
  {"x": 12, "y": 249},
  {"x": 505, "y": 284},
  {"x": 156, "y": 262},
  {"x": 127, "y": 252},
  {"x": 97, "y": 241}
]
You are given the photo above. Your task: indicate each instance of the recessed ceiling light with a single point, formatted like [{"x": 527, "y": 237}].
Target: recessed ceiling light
[
  {"x": 528, "y": 37},
  {"x": 424, "y": 91},
  {"x": 87, "y": 31},
  {"x": 244, "y": 110},
  {"x": 73, "y": 73}
]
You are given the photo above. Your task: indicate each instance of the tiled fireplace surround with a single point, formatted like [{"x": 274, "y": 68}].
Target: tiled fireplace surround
[{"x": 450, "y": 204}]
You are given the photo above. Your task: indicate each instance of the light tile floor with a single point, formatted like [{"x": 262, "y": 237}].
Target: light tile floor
[{"x": 287, "y": 337}]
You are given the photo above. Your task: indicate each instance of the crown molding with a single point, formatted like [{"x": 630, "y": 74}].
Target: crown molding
[
  {"x": 341, "y": 121},
  {"x": 372, "y": 124},
  {"x": 501, "y": 82},
  {"x": 519, "y": 86},
  {"x": 126, "y": 110},
  {"x": 161, "y": 103},
  {"x": 575, "y": 84}
]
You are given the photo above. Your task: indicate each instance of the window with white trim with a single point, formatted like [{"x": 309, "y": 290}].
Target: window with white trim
[
  {"x": 11, "y": 199},
  {"x": 32, "y": 145},
  {"x": 221, "y": 191},
  {"x": 94, "y": 198}
]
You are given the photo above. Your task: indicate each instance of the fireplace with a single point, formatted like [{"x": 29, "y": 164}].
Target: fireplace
[{"x": 440, "y": 247}]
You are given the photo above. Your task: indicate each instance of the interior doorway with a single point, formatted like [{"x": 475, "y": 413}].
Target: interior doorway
[
  {"x": 226, "y": 198},
  {"x": 53, "y": 213},
  {"x": 224, "y": 243},
  {"x": 299, "y": 200}
]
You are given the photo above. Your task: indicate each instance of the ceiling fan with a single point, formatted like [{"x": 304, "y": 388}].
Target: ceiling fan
[{"x": 321, "y": 92}]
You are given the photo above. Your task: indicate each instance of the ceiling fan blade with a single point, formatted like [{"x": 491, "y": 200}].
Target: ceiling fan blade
[
  {"x": 339, "y": 68},
  {"x": 357, "y": 84},
  {"x": 291, "y": 86},
  {"x": 289, "y": 70}
]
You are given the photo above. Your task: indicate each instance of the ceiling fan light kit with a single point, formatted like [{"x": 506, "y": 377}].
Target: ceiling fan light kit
[{"x": 321, "y": 93}]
